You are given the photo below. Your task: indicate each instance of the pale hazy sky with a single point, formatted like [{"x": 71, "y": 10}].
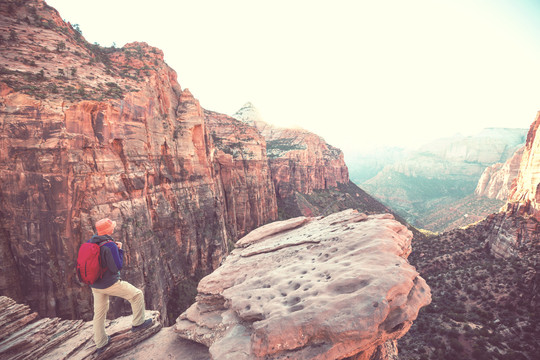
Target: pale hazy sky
[{"x": 358, "y": 73}]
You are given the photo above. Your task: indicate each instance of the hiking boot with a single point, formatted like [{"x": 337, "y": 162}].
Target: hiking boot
[
  {"x": 102, "y": 349},
  {"x": 144, "y": 325}
]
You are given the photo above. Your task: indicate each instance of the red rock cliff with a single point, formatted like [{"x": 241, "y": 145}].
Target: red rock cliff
[
  {"x": 496, "y": 180},
  {"x": 301, "y": 161},
  {"x": 242, "y": 167},
  {"x": 88, "y": 132},
  {"x": 525, "y": 193},
  {"x": 516, "y": 229}
]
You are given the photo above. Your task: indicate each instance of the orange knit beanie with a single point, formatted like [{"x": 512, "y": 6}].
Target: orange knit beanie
[{"x": 105, "y": 226}]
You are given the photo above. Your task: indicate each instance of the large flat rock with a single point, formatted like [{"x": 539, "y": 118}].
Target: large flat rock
[{"x": 310, "y": 288}]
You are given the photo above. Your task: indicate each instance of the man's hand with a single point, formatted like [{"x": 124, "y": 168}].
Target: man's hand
[{"x": 119, "y": 244}]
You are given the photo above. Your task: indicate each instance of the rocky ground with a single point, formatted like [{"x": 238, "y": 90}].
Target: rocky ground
[
  {"x": 25, "y": 336},
  {"x": 484, "y": 307},
  {"x": 450, "y": 215}
]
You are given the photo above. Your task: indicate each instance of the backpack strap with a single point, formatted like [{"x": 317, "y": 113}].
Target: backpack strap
[
  {"x": 108, "y": 240},
  {"x": 101, "y": 254},
  {"x": 104, "y": 242}
]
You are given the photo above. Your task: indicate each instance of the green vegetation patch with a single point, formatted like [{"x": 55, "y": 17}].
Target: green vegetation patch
[
  {"x": 483, "y": 307},
  {"x": 275, "y": 148}
]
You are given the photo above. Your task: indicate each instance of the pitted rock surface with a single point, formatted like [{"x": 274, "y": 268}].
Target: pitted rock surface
[{"x": 329, "y": 288}]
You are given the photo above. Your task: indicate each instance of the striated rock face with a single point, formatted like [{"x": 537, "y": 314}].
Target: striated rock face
[
  {"x": 507, "y": 233},
  {"x": 525, "y": 194},
  {"x": 241, "y": 165},
  {"x": 300, "y": 161},
  {"x": 24, "y": 336},
  {"x": 517, "y": 227},
  {"x": 310, "y": 288},
  {"x": 496, "y": 180},
  {"x": 87, "y": 133}
]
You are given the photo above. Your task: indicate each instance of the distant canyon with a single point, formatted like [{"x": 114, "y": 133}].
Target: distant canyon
[
  {"x": 445, "y": 184},
  {"x": 254, "y": 240}
]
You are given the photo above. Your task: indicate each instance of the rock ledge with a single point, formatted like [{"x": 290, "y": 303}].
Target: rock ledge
[
  {"x": 331, "y": 287},
  {"x": 23, "y": 336}
]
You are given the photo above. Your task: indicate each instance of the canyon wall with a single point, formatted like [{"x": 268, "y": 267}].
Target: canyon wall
[
  {"x": 91, "y": 132},
  {"x": 241, "y": 164},
  {"x": 525, "y": 194},
  {"x": 496, "y": 180},
  {"x": 308, "y": 173}
]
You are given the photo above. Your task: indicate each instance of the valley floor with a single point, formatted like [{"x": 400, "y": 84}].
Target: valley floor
[{"x": 483, "y": 307}]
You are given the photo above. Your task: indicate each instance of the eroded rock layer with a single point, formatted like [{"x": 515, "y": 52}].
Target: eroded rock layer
[
  {"x": 310, "y": 288},
  {"x": 24, "y": 336},
  {"x": 241, "y": 165},
  {"x": 525, "y": 194},
  {"x": 89, "y": 132},
  {"x": 496, "y": 180},
  {"x": 301, "y": 162}
]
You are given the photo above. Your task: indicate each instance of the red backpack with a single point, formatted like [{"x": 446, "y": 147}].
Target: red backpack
[{"x": 89, "y": 268}]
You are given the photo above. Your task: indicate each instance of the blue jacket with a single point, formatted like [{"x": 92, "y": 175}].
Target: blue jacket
[{"x": 112, "y": 258}]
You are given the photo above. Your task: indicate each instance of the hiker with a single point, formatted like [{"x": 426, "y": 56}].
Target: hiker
[{"x": 110, "y": 284}]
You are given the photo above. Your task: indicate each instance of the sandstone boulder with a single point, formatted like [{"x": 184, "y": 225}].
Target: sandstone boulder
[{"x": 311, "y": 288}]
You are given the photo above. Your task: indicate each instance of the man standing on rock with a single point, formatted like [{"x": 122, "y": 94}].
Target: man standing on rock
[{"x": 110, "y": 284}]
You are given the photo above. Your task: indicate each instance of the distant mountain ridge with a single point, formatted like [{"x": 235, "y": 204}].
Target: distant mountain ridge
[{"x": 436, "y": 176}]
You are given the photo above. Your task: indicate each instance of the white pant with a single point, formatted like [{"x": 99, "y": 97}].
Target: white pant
[{"x": 121, "y": 289}]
